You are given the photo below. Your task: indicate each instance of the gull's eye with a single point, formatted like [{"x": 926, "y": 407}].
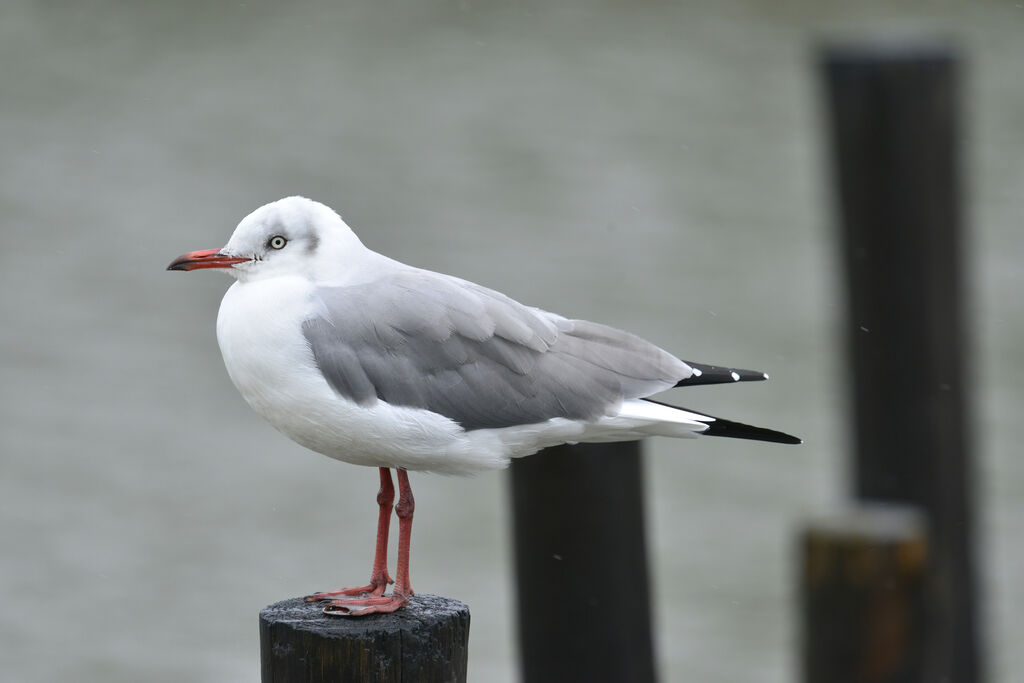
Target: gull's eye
[{"x": 277, "y": 242}]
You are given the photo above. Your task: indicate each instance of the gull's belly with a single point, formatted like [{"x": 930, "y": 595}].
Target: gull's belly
[{"x": 259, "y": 329}]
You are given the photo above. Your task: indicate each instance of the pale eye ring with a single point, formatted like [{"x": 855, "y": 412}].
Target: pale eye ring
[{"x": 277, "y": 242}]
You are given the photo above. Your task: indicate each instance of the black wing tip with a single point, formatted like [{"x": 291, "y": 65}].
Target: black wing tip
[
  {"x": 738, "y": 430},
  {"x": 718, "y": 374}
]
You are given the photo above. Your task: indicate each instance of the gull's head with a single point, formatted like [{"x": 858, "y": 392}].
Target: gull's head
[{"x": 292, "y": 236}]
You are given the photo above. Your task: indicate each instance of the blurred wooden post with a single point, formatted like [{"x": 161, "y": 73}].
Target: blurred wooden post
[
  {"x": 863, "y": 591},
  {"x": 894, "y": 129},
  {"x": 581, "y": 565},
  {"x": 425, "y": 642}
]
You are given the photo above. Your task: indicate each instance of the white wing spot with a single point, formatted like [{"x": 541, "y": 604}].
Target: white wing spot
[
  {"x": 735, "y": 376},
  {"x": 696, "y": 372}
]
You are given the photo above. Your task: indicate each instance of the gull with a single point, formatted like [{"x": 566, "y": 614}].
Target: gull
[{"x": 373, "y": 362}]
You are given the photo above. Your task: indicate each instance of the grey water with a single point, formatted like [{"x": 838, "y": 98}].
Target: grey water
[{"x": 655, "y": 166}]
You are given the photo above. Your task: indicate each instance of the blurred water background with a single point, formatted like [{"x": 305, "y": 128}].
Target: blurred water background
[{"x": 655, "y": 166}]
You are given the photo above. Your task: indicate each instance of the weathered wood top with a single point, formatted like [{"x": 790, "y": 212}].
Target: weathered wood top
[{"x": 425, "y": 641}]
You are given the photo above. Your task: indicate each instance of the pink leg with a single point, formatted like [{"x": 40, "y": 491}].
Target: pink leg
[
  {"x": 379, "y": 577},
  {"x": 403, "y": 590}
]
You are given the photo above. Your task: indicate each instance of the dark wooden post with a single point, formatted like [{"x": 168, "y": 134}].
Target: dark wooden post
[
  {"x": 894, "y": 129},
  {"x": 863, "y": 592},
  {"x": 581, "y": 565},
  {"x": 425, "y": 642}
]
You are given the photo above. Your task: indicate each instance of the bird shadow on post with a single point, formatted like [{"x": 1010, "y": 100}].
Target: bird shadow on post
[
  {"x": 581, "y": 565},
  {"x": 894, "y": 131}
]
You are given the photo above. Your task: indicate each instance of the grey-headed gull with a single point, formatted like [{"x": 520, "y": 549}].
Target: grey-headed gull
[{"x": 376, "y": 363}]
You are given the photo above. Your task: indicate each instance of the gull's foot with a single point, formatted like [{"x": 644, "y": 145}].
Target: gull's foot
[
  {"x": 358, "y": 607},
  {"x": 369, "y": 590},
  {"x": 374, "y": 589}
]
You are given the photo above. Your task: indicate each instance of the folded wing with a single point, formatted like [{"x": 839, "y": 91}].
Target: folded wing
[{"x": 424, "y": 340}]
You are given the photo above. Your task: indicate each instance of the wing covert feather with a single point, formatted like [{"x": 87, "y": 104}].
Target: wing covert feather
[{"x": 425, "y": 340}]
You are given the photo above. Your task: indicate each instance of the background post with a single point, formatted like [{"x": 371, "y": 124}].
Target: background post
[
  {"x": 894, "y": 126},
  {"x": 581, "y": 565},
  {"x": 863, "y": 603}
]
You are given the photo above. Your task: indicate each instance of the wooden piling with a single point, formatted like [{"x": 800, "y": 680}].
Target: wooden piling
[
  {"x": 863, "y": 596},
  {"x": 581, "y": 565},
  {"x": 424, "y": 642},
  {"x": 895, "y": 132}
]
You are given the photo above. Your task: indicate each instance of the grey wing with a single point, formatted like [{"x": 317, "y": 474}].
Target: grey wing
[{"x": 425, "y": 340}]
